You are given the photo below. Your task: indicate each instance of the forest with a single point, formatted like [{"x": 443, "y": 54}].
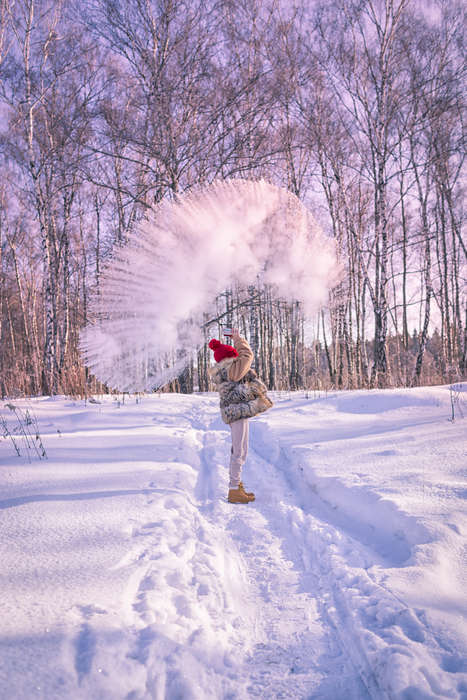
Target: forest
[{"x": 357, "y": 107}]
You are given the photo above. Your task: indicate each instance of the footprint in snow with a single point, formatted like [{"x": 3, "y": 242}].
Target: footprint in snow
[
  {"x": 175, "y": 580},
  {"x": 144, "y": 640},
  {"x": 411, "y": 627},
  {"x": 85, "y": 647},
  {"x": 147, "y": 584},
  {"x": 89, "y": 610},
  {"x": 183, "y": 606},
  {"x": 453, "y": 663}
]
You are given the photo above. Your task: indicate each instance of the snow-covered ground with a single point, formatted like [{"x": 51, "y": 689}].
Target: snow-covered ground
[{"x": 126, "y": 574}]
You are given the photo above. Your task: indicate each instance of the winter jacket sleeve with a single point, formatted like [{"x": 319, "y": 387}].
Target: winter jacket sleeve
[{"x": 242, "y": 363}]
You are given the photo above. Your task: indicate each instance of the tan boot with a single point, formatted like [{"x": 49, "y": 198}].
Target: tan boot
[
  {"x": 239, "y": 496},
  {"x": 248, "y": 493}
]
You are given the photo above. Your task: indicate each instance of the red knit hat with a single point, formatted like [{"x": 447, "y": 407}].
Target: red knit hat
[{"x": 222, "y": 351}]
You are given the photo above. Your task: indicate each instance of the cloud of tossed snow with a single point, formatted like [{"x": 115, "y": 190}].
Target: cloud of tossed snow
[{"x": 156, "y": 289}]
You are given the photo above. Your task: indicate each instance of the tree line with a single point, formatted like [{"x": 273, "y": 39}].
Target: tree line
[{"x": 109, "y": 106}]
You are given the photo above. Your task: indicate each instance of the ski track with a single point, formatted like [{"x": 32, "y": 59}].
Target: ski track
[{"x": 276, "y": 599}]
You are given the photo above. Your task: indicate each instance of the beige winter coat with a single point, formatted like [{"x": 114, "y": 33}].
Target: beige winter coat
[{"x": 239, "y": 366}]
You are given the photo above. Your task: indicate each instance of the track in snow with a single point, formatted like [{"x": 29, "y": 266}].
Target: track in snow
[
  {"x": 295, "y": 651},
  {"x": 315, "y": 583}
]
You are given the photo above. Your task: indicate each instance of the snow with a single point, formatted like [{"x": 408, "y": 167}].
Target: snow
[
  {"x": 229, "y": 234},
  {"x": 126, "y": 574}
]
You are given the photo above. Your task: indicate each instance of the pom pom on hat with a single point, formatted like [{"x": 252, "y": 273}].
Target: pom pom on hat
[{"x": 222, "y": 351}]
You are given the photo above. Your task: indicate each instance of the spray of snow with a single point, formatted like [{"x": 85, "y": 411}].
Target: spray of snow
[{"x": 159, "y": 288}]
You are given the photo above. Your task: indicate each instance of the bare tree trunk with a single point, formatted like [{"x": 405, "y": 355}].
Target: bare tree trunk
[
  {"x": 328, "y": 356},
  {"x": 24, "y": 316},
  {"x": 423, "y": 337},
  {"x": 2, "y": 306}
]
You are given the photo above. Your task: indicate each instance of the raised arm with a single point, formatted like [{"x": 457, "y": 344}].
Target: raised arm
[{"x": 242, "y": 363}]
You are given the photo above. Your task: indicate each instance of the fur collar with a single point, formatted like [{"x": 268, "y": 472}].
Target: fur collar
[{"x": 225, "y": 363}]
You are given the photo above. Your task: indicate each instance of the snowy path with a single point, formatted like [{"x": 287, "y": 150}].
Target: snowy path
[
  {"x": 291, "y": 653},
  {"x": 294, "y": 653},
  {"x": 125, "y": 573}
]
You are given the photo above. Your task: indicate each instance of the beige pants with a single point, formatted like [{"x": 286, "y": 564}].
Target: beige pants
[{"x": 239, "y": 430}]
